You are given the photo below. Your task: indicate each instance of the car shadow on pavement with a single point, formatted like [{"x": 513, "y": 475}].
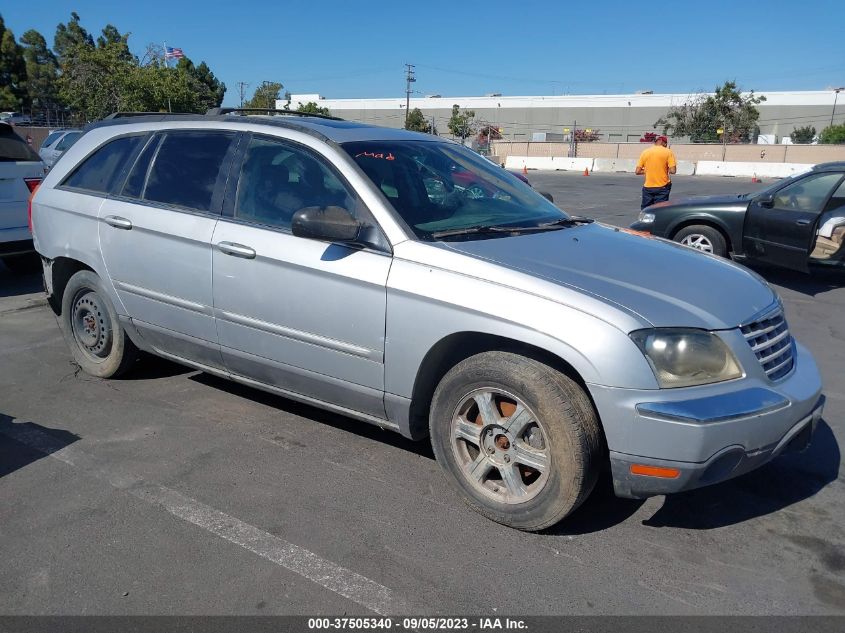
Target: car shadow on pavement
[
  {"x": 15, "y": 455},
  {"x": 602, "y": 510},
  {"x": 14, "y": 285},
  {"x": 336, "y": 420},
  {"x": 779, "y": 484},
  {"x": 816, "y": 282}
]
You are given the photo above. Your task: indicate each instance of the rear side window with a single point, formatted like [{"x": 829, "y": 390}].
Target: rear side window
[
  {"x": 101, "y": 170},
  {"x": 69, "y": 139},
  {"x": 51, "y": 138},
  {"x": 134, "y": 187},
  {"x": 13, "y": 147},
  {"x": 186, "y": 168}
]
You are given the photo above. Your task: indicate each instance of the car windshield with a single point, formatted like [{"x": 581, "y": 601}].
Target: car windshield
[
  {"x": 439, "y": 187},
  {"x": 51, "y": 138}
]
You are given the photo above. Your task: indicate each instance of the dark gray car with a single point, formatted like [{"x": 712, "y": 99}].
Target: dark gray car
[{"x": 797, "y": 223}]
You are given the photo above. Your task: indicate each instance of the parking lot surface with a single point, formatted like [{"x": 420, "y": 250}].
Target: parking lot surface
[{"x": 174, "y": 492}]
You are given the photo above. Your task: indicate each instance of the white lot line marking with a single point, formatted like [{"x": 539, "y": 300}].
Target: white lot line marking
[{"x": 299, "y": 560}]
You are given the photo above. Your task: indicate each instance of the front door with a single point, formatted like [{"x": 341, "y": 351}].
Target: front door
[
  {"x": 156, "y": 241},
  {"x": 781, "y": 230},
  {"x": 298, "y": 314}
]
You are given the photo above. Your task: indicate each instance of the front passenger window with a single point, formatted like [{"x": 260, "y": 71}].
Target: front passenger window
[
  {"x": 808, "y": 194},
  {"x": 278, "y": 179}
]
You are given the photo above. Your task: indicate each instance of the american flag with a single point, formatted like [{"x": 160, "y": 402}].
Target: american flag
[{"x": 173, "y": 53}]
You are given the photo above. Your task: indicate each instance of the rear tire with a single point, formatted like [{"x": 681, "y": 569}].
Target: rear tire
[
  {"x": 703, "y": 238},
  {"x": 91, "y": 327},
  {"x": 519, "y": 440}
]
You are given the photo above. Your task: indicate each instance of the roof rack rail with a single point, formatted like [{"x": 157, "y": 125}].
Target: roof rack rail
[
  {"x": 220, "y": 111},
  {"x": 125, "y": 115}
]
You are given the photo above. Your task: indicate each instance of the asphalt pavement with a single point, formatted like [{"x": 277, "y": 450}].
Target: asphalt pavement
[{"x": 174, "y": 492}]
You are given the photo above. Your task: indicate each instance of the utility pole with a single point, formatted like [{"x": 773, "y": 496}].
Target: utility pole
[
  {"x": 836, "y": 92},
  {"x": 409, "y": 79},
  {"x": 242, "y": 86}
]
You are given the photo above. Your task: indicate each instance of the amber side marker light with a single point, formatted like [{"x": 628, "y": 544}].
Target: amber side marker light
[{"x": 655, "y": 471}]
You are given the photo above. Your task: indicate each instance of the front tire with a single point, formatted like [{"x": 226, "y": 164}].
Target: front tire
[
  {"x": 703, "y": 238},
  {"x": 519, "y": 440},
  {"x": 92, "y": 330}
]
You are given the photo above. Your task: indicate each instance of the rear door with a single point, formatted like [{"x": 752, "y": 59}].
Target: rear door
[
  {"x": 155, "y": 237},
  {"x": 782, "y": 231}
]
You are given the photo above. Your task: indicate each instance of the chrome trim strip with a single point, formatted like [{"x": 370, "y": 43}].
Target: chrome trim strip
[
  {"x": 764, "y": 314},
  {"x": 770, "y": 342},
  {"x": 741, "y": 404},
  {"x": 299, "y": 335},
  {"x": 163, "y": 298}
]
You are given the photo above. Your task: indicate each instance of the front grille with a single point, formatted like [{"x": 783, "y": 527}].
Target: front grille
[{"x": 770, "y": 341}]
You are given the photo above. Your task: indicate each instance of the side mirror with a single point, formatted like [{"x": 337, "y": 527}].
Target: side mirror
[
  {"x": 767, "y": 201},
  {"x": 329, "y": 224},
  {"x": 547, "y": 195}
]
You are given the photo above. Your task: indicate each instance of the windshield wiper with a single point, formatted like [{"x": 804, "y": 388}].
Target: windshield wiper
[{"x": 486, "y": 229}]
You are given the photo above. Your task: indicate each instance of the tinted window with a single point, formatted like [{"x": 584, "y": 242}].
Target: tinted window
[
  {"x": 13, "y": 147},
  {"x": 807, "y": 194},
  {"x": 67, "y": 140},
  {"x": 101, "y": 170},
  {"x": 278, "y": 179},
  {"x": 51, "y": 139},
  {"x": 186, "y": 168},
  {"x": 134, "y": 187}
]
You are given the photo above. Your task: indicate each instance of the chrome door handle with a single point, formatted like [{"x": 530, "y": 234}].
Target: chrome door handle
[
  {"x": 236, "y": 250},
  {"x": 802, "y": 222},
  {"x": 118, "y": 222}
]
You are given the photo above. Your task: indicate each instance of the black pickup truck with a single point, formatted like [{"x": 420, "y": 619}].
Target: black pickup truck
[{"x": 796, "y": 223}]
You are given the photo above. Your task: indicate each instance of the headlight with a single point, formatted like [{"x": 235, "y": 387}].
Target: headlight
[
  {"x": 686, "y": 357},
  {"x": 646, "y": 218}
]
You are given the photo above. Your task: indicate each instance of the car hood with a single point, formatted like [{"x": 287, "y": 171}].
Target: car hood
[{"x": 665, "y": 284}]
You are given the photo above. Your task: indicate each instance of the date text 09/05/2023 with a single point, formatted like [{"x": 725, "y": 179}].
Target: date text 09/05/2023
[{"x": 416, "y": 623}]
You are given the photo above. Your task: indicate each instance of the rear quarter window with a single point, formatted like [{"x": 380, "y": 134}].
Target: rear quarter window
[{"x": 102, "y": 169}]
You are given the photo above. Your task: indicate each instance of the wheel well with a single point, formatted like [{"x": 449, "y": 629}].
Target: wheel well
[
  {"x": 709, "y": 223},
  {"x": 63, "y": 269},
  {"x": 454, "y": 348}
]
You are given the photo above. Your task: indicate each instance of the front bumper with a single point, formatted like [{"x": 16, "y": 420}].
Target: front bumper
[{"x": 707, "y": 434}]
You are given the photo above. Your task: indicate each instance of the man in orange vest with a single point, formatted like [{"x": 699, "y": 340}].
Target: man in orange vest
[{"x": 656, "y": 163}]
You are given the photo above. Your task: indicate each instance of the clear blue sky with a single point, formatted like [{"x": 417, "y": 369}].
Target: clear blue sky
[{"x": 358, "y": 48}]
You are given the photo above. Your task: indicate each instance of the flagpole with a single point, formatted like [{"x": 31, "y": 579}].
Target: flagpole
[{"x": 168, "y": 68}]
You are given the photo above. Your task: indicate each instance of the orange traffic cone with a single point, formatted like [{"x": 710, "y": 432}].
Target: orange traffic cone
[
  {"x": 755, "y": 179},
  {"x": 524, "y": 170},
  {"x": 586, "y": 171}
]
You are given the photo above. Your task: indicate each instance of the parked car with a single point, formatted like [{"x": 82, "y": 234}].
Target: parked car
[
  {"x": 15, "y": 118},
  {"x": 20, "y": 173},
  {"x": 308, "y": 256},
  {"x": 797, "y": 223},
  {"x": 56, "y": 144}
]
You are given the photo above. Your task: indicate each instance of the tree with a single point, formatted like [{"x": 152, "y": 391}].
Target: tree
[
  {"x": 265, "y": 96},
  {"x": 417, "y": 122},
  {"x": 209, "y": 89},
  {"x": 41, "y": 71},
  {"x": 13, "y": 92},
  {"x": 726, "y": 109},
  {"x": 313, "y": 108},
  {"x": 648, "y": 137},
  {"x": 70, "y": 36},
  {"x": 803, "y": 134},
  {"x": 833, "y": 134},
  {"x": 462, "y": 124},
  {"x": 97, "y": 81}
]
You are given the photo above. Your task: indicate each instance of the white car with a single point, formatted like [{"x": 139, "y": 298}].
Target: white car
[
  {"x": 56, "y": 144},
  {"x": 21, "y": 172}
]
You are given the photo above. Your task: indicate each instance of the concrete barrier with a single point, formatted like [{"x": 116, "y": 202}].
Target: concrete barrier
[
  {"x": 627, "y": 165},
  {"x": 560, "y": 163},
  {"x": 686, "y": 168},
  {"x": 748, "y": 169},
  {"x": 573, "y": 164}
]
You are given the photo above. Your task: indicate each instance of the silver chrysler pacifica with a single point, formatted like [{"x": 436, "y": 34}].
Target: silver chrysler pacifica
[{"x": 403, "y": 280}]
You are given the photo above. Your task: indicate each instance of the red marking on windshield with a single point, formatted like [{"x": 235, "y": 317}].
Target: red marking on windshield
[{"x": 381, "y": 155}]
